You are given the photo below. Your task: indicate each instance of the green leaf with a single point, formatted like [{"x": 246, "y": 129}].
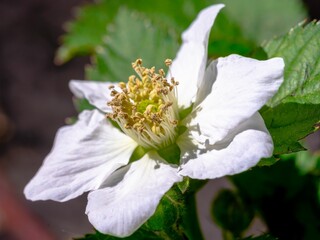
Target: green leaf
[
  {"x": 284, "y": 198},
  {"x": 308, "y": 162},
  {"x": 86, "y": 32},
  {"x": 231, "y": 33},
  {"x": 265, "y": 18},
  {"x": 290, "y": 122},
  {"x": 89, "y": 28},
  {"x": 264, "y": 162},
  {"x": 227, "y": 38},
  {"x": 300, "y": 49},
  {"x": 231, "y": 213},
  {"x": 131, "y": 36}
]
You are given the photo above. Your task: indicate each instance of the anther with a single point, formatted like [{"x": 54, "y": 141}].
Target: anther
[
  {"x": 141, "y": 108},
  {"x": 168, "y": 62}
]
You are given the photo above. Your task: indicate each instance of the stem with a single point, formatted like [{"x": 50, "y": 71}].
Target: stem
[{"x": 190, "y": 221}]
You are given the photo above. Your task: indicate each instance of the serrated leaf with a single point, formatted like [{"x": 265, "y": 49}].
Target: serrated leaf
[
  {"x": 290, "y": 122},
  {"x": 89, "y": 28},
  {"x": 300, "y": 49},
  {"x": 131, "y": 36},
  {"x": 263, "y": 19},
  {"x": 86, "y": 31}
]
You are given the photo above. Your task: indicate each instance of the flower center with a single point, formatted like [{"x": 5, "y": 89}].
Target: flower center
[{"x": 146, "y": 107}]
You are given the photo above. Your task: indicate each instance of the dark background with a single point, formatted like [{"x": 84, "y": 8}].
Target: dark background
[{"x": 34, "y": 102}]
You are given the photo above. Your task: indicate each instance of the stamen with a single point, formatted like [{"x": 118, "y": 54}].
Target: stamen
[{"x": 146, "y": 108}]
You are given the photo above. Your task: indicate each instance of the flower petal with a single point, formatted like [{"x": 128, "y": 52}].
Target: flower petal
[
  {"x": 242, "y": 87},
  {"x": 121, "y": 208},
  {"x": 205, "y": 84},
  {"x": 189, "y": 65},
  {"x": 83, "y": 155},
  {"x": 97, "y": 93},
  {"x": 239, "y": 151}
]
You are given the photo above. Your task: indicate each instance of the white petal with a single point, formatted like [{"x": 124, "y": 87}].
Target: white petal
[
  {"x": 242, "y": 87},
  {"x": 121, "y": 208},
  {"x": 205, "y": 84},
  {"x": 97, "y": 93},
  {"x": 239, "y": 151},
  {"x": 189, "y": 65},
  {"x": 83, "y": 155}
]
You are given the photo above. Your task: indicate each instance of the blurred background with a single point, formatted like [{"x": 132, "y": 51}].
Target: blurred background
[{"x": 34, "y": 102}]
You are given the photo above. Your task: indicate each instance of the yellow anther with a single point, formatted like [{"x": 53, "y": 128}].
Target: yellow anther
[
  {"x": 113, "y": 93},
  {"x": 122, "y": 85},
  {"x": 174, "y": 122},
  {"x": 142, "y": 107},
  {"x": 168, "y": 62},
  {"x": 139, "y": 61},
  {"x": 161, "y": 72},
  {"x": 138, "y": 115}
]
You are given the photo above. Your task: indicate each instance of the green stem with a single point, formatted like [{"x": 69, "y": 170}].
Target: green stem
[{"x": 190, "y": 221}]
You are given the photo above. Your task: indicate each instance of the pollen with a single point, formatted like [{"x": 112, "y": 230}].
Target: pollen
[{"x": 145, "y": 107}]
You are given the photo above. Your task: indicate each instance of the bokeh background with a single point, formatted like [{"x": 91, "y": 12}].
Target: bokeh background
[{"x": 34, "y": 102}]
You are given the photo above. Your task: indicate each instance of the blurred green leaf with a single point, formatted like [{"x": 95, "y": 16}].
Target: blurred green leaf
[
  {"x": 285, "y": 198},
  {"x": 300, "y": 49},
  {"x": 231, "y": 33},
  {"x": 231, "y": 213},
  {"x": 307, "y": 162},
  {"x": 264, "y": 19},
  {"x": 131, "y": 36},
  {"x": 89, "y": 28},
  {"x": 227, "y": 38},
  {"x": 86, "y": 31}
]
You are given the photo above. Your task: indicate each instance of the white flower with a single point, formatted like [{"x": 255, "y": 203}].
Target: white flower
[{"x": 224, "y": 132}]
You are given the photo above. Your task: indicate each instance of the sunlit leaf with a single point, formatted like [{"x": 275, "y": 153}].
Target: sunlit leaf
[
  {"x": 300, "y": 49},
  {"x": 288, "y": 123}
]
